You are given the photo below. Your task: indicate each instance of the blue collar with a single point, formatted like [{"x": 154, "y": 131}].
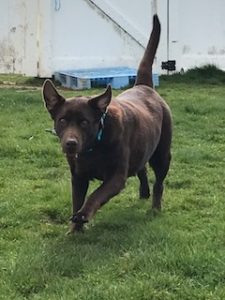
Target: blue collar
[
  {"x": 101, "y": 126},
  {"x": 100, "y": 130}
]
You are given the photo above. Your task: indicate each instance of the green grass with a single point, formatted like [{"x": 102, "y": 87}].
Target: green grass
[
  {"x": 19, "y": 80},
  {"x": 126, "y": 252},
  {"x": 208, "y": 74}
]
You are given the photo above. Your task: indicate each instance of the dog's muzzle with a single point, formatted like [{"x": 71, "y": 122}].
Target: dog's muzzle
[{"x": 71, "y": 145}]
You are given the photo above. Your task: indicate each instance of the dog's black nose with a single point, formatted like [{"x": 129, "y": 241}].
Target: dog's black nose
[{"x": 71, "y": 143}]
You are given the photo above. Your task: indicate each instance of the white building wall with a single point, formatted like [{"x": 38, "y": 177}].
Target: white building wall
[
  {"x": 39, "y": 37},
  {"x": 18, "y": 36},
  {"x": 88, "y": 38},
  {"x": 202, "y": 33}
]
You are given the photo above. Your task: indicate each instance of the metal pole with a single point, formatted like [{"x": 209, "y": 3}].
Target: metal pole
[{"x": 168, "y": 32}]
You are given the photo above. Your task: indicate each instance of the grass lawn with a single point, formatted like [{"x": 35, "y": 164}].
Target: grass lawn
[{"x": 125, "y": 252}]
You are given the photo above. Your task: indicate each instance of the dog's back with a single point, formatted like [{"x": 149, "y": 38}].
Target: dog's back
[{"x": 146, "y": 112}]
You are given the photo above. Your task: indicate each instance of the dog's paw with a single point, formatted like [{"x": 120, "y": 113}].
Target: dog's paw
[
  {"x": 79, "y": 218},
  {"x": 144, "y": 192},
  {"x": 153, "y": 213},
  {"x": 144, "y": 195},
  {"x": 74, "y": 228}
]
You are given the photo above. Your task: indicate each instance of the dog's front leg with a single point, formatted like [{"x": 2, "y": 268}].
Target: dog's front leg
[
  {"x": 111, "y": 186},
  {"x": 99, "y": 197},
  {"x": 79, "y": 190}
]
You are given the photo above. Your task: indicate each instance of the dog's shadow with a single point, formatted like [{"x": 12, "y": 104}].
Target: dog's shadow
[{"x": 102, "y": 242}]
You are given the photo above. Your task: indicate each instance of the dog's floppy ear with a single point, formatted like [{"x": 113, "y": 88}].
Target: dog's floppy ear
[
  {"x": 53, "y": 100},
  {"x": 102, "y": 101}
]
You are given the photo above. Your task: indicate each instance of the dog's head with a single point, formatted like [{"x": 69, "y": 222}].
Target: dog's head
[{"x": 76, "y": 121}]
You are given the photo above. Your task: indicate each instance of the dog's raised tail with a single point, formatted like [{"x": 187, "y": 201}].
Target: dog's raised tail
[{"x": 144, "y": 73}]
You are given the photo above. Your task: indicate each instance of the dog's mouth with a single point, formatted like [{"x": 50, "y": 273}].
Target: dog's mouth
[
  {"x": 71, "y": 147},
  {"x": 70, "y": 151}
]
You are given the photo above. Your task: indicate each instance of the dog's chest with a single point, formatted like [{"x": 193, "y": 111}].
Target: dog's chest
[{"x": 94, "y": 165}]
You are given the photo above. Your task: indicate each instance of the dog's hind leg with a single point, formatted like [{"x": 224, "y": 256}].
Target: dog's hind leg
[
  {"x": 144, "y": 191},
  {"x": 160, "y": 161},
  {"x": 160, "y": 165}
]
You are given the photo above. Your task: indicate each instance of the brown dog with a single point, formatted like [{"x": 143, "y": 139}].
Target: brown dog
[{"x": 112, "y": 139}]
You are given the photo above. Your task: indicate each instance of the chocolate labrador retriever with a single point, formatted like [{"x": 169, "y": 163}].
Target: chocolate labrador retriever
[{"x": 113, "y": 138}]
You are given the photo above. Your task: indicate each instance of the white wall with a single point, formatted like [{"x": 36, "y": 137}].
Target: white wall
[
  {"x": 88, "y": 38},
  {"x": 196, "y": 33},
  {"x": 201, "y": 27},
  {"x": 39, "y": 37},
  {"x": 18, "y": 36}
]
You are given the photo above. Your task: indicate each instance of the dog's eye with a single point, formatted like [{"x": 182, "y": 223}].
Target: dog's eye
[
  {"x": 84, "y": 123},
  {"x": 62, "y": 122}
]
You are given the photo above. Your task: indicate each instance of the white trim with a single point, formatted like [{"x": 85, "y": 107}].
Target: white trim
[{"x": 120, "y": 20}]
